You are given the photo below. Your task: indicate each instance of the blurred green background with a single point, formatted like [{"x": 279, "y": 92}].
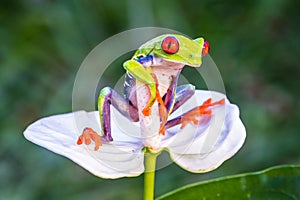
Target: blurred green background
[{"x": 255, "y": 45}]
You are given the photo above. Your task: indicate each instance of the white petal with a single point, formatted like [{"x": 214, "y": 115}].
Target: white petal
[
  {"x": 204, "y": 148},
  {"x": 59, "y": 133}
]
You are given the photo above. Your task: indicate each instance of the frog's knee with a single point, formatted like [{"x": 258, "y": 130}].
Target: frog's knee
[
  {"x": 185, "y": 90},
  {"x": 105, "y": 92},
  {"x": 104, "y": 96},
  {"x": 190, "y": 87}
]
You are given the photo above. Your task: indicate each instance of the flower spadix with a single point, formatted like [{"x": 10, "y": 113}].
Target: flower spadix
[{"x": 199, "y": 147}]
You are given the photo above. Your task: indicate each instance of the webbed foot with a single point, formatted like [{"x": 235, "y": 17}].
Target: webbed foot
[
  {"x": 193, "y": 115},
  {"x": 88, "y": 135}
]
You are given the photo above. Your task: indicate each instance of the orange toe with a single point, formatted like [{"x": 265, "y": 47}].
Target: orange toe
[
  {"x": 204, "y": 109},
  {"x": 88, "y": 135},
  {"x": 146, "y": 111}
]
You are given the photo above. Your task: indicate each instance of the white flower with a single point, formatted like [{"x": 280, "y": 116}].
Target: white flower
[{"x": 195, "y": 148}]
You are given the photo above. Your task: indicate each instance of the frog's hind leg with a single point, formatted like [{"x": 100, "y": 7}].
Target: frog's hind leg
[
  {"x": 108, "y": 97},
  {"x": 194, "y": 115},
  {"x": 183, "y": 93}
]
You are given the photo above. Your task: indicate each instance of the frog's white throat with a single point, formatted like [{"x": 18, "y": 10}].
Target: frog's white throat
[{"x": 165, "y": 71}]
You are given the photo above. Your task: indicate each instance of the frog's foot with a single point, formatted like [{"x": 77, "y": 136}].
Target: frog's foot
[
  {"x": 88, "y": 135},
  {"x": 147, "y": 110},
  {"x": 193, "y": 116}
]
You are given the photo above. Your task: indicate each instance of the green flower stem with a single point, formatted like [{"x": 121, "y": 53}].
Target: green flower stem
[{"x": 149, "y": 175}]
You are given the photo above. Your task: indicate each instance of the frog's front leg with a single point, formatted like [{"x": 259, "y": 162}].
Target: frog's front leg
[{"x": 139, "y": 72}]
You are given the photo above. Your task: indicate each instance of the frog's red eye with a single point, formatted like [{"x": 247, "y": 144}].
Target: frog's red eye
[
  {"x": 205, "y": 48},
  {"x": 170, "y": 45}
]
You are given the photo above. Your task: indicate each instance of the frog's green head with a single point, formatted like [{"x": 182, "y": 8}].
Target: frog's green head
[{"x": 176, "y": 48}]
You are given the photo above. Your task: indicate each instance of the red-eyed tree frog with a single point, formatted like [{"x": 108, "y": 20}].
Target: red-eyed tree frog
[{"x": 157, "y": 64}]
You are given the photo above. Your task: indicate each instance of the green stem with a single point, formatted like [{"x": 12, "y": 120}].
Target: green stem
[{"x": 149, "y": 175}]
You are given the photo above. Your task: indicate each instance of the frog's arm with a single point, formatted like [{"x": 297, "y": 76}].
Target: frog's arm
[{"x": 143, "y": 75}]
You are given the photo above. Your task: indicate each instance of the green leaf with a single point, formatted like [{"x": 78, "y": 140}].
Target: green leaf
[{"x": 280, "y": 182}]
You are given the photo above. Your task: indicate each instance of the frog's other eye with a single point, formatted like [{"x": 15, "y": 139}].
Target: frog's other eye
[
  {"x": 205, "y": 48},
  {"x": 170, "y": 45}
]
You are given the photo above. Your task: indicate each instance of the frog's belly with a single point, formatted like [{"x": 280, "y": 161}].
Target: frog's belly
[{"x": 165, "y": 76}]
